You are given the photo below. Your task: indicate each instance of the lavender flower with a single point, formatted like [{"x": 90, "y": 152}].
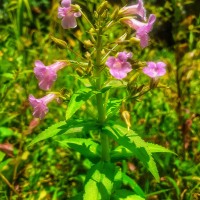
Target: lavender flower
[
  {"x": 154, "y": 70},
  {"x": 40, "y": 105},
  {"x": 142, "y": 29},
  {"x": 68, "y": 15},
  {"x": 137, "y": 9},
  {"x": 119, "y": 67},
  {"x": 47, "y": 74}
]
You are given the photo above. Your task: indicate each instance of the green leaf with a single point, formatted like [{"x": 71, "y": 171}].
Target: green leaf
[
  {"x": 99, "y": 181},
  {"x": 77, "y": 197},
  {"x": 4, "y": 163},
  {"x": 2, "y": 155},
  {"x": 130, "y": 140},
  {"x": 155, "y": 148},
  {"x": 70, "y": 128},
  {"x": 120, "y": 153},
  {"x": 77, "y": 100},
  {"x": 6, "y": 132},
  {"x": 113, "y": 106},
  {"x": 53, "y": 130},
  {"x": 86, "y": 147},
  {"x": 116, "y": 84},
  {"x": 126, "y": 195},
  {"x": 117, "y": 183},
  {"x": 138, "y": 190}
]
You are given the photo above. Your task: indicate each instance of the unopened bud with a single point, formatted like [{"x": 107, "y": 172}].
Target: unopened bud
[
  {"x": 139, "y": 89},
  {"x": 127, "y": 118},
  {"x": 89, "y": 68},
  {"x": 87, "y": 44},
  {"x": 60, "y": 43},
  {"x": 96, "y": 14},
  {"x": 134, "y": 40},
  {"x": 102, "y": 7},
  {"x": 76, "y": 8},
  {"x": 133, "y": 78},
  {"x": 114, "y": 15},
  {"x": 105, "y": 14},
  {"x": 80, "y": 71}
]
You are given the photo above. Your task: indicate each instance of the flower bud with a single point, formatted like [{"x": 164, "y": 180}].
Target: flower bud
[
  {"x": 60, "y": 43},
  {"x": 115, "y": 13},
  {"x": 134, "y": 40},
  {"x": 102, "y": 7},
  {"x": 80, "y": 72},
  {"x": 127, "y": 118},
  {"x": 87, "y": 44}
]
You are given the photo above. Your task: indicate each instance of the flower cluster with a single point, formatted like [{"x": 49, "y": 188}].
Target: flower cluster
[
  {"x": 119, "y": 67},
  {"x": 46, "y": 76},
  {"x": 142, "y": 28}
]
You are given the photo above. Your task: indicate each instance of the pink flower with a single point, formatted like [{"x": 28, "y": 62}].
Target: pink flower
[
  {"x": 68, "y": 15},
  {"x": 119, "y": 67},
  {"x": 47, "y": 74},
  {"x": 142, "y": 29},
  {"x": 137, "y": 9},
  {"x": 40, "y": 105},
  {"x": 154, "y": 70}
]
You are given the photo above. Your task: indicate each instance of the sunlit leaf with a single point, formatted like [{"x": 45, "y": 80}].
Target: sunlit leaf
[
  {"x": 126, "y": 195},
  {"x": 135, "y": 144},
  {"x": 99, "y": 181},
  {"x": 86, "y": 147},
  {"x": 132, "y": 183},
  {"x": 77, "y": 100}
]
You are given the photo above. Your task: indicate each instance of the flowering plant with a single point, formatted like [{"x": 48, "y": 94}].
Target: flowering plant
[{"x": 105, "y": 179}]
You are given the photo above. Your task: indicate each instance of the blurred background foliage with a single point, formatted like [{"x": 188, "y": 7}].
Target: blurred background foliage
[{"x": 169, "y": 116}]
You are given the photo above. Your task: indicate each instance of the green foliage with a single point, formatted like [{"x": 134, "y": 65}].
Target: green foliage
[
  {"x": 86, "y": 147},
  {"x": 130, "y": 140},
  {"x": 77, "y": 100},
  {"x": 167, "y": 116},
  {"x": 99, "y": 181}
]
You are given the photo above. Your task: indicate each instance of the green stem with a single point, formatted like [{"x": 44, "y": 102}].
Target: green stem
[
  {"x": 105, "y": 154},
  {"x": 9, "y": 184}
]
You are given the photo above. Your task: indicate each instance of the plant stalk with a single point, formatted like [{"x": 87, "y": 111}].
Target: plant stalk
[{"x": 105, "y": 154}]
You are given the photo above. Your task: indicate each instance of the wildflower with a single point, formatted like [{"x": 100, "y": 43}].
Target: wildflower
[
  {"x": 119, "y": 67},
  {"x": 142, "y": 29},
  {"x": 40, "y": 105},
  {"x": 47, "y": 74},
  {"x": 154, "y": 70},
  {"x": 68, "y": 14},
  {"x": 134, "y": 9}
]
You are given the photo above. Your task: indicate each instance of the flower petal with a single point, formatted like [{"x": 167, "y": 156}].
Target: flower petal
[
  {"x": 110, "y": 61},
  {"x": 69, "y": 21},
  {"x": 66, "y": 3}
]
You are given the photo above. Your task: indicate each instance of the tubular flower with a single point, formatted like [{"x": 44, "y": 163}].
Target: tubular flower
[
  {"x": 68, "y": 15},
  {"x": 40, "y": 105},
  {"x": 137, "y": 9},
  {"x": 47, "y": 74},
  {"x": 119, "y": 67},
  {"x": 142, "y": 29},
  {"x": 154, "y": 70}
]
